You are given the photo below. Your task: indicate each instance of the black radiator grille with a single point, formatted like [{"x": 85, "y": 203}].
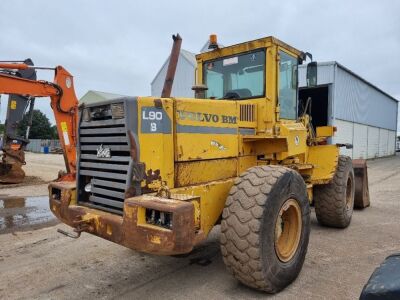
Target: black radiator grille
[{"x": 108, "y": 176}]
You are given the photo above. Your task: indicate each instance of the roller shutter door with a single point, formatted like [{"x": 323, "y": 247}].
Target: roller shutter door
[
  {"x": 383, "y": 142},
  {"x": 360, "y": 141},
  {"x": 373, "y": 142},
  {"x": 391, "y": 142},
  {"x": 344, "y": 135}
]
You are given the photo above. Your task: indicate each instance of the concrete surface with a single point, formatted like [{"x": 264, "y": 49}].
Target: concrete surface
[{"x": 41, "y": 263}]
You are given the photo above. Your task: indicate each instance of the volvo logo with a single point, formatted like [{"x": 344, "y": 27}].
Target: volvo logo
[{"x": 103, "y": 152}]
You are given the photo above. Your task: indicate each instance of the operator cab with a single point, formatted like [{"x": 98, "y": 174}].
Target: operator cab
[{"x": 240, "y": 72}]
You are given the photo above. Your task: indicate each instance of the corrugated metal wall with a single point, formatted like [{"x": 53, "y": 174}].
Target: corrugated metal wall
[
  {"x": 37, "y": 145},
  {"x": 326, "y": 74},
  {"x": 368, "y": 141},
  {"x": 359, "y": 102}
]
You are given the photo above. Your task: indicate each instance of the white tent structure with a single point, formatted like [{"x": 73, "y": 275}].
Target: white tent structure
[{"x": 97, "y": 96}]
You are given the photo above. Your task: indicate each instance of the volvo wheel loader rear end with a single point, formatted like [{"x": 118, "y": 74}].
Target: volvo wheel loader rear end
[{"x": 156, "y": 174}]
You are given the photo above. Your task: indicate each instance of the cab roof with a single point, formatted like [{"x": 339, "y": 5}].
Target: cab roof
[{"x": 247, "y": 46}]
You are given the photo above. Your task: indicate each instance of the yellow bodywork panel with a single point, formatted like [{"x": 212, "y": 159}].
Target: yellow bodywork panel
[
  {"x": 325, "y": 131},
  {"x": 156, "y": 140},
  {"x": 324, "y": 158},
  {"x": 296, "y": 135},
  {"x": 205, "y": 129},
  {"x": 246, "y": 162},
  {"x": 212, "y": 201},
  {"x": 197, "y": 172},
  {"x": 263, "y": 145}
]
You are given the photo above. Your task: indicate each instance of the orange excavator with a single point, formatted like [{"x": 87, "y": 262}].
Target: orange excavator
[{"x": 63, "y": 102}]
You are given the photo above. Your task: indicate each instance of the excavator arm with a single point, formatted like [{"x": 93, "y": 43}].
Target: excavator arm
[
  {"x": 13, "y": 142},
  {"x": 63, "y": 102}
]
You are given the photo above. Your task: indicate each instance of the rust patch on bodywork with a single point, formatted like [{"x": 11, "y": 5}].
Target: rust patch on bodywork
[
  {"x": 131, "y": 230},
  {"x": 150, "y": 178},
  {"x": 203, "y": 171}
]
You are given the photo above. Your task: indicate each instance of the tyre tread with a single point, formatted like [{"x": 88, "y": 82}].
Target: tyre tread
[
  {"x": 328, "y": 198},
  {"x": 240, "y": 234}
]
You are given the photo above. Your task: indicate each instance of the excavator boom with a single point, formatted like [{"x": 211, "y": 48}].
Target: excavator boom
[{"x": 63, "y": 102}]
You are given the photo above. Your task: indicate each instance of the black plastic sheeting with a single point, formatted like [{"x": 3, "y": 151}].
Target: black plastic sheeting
[{"x": 384, "y": 283}]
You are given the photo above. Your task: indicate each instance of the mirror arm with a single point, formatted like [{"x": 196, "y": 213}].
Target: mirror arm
[{"x": 307, "y": 54}]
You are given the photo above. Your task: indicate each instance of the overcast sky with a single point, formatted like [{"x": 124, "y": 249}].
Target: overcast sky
[{"x": 118, "y": 46}]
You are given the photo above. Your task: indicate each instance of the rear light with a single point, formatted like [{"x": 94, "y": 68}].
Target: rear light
[
  {"x": 55, "y": 193},
  {"x": 159, "y": 218}
]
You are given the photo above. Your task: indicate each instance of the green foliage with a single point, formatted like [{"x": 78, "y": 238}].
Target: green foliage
[
  {"x": 54, "y": 133},
  {"x": 41, "y": 127},
  {"x": 2, "y": 127}
]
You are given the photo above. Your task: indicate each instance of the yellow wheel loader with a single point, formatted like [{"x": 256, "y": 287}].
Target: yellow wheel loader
[{"x": 156, "y": 174}]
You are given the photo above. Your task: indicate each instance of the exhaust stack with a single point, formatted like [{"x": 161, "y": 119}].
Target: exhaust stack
[{"x": 173, "y": 62}]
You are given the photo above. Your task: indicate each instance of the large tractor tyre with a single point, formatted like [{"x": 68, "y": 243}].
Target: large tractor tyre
[
  {"x": 265, "y": 227},
  {"x": 334, "y": 202}
]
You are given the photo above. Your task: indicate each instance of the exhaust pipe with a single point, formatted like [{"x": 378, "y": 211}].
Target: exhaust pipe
[{"x": 173, "y": 62}]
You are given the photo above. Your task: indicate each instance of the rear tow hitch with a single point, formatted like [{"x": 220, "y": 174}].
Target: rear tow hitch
[
  {"x": 80, "y": 226},
  {"x": 76, "y": 234}
]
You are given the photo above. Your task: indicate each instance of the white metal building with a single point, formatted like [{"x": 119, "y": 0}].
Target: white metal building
[
  {"x": 184, "y": 76},
  {"x": 364, "y": 115}
]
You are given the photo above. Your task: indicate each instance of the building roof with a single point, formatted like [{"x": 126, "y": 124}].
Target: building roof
[
  {"x": 189, "y": 56},
  {"x": 339, "y": 65},
  {"x": 96, "y": 96},
  {"x": 186, "y": 55}
]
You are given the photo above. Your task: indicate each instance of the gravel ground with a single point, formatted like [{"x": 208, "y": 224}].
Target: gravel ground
[{"x": 41, "y": 263}]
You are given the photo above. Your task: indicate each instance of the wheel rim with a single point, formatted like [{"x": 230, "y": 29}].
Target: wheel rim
[
  {"x": 288, "y": 230},
  {"x": 349, "y": 194}
]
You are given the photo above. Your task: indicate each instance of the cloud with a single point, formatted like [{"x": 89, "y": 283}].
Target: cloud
[{"x": 118, "y": 46}]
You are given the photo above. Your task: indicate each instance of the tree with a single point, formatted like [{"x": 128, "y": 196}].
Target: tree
[
  {"x": 54, "y": 132},
  {"x": 40, "y": 129}
]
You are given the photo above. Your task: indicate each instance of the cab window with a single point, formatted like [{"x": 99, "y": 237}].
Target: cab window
[
  {"x": 287, "y": 86},
  {"x": 236, "y": 77}
]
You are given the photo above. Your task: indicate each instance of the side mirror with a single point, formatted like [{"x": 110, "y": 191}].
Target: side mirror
[{"x": 312, "y": 72}]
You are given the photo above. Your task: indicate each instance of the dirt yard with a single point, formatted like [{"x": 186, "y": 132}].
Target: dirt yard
[
  {"x": 41, "y": 263},
  {"x": 39, "y": 169}
]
